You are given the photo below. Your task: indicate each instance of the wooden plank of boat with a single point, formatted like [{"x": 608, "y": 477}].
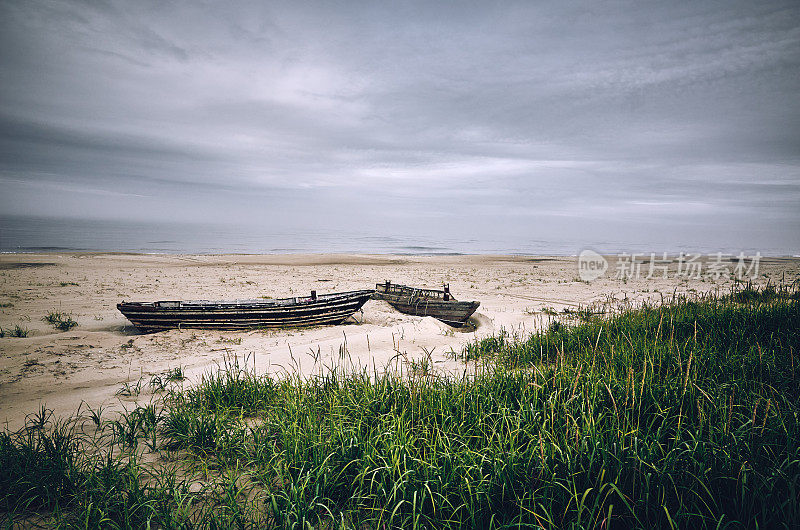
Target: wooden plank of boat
[
  {"x": 439, "y": 304},
  {"x": 245, "y": 314}
]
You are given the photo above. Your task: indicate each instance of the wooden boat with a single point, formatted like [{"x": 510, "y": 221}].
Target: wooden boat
[
  {"x": 426, "y": 302},
  {"x": 245, "y": 314}
]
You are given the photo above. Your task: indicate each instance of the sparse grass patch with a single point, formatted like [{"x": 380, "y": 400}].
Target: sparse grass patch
[
  {"x": 16, "y": 331},
  {"x": 129, "y": 389},
  {"x": 161, "y": 382},
  {"x": 748, "y": 293},
  {"x": 60, "y": 321},
  {"x": 175, "y": 374}
]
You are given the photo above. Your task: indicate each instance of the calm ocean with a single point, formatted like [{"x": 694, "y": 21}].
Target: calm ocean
[{"x": 35, "y": 234}]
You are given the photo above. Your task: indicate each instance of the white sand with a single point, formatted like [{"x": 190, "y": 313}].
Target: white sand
[{"x": 92, "y": 362}]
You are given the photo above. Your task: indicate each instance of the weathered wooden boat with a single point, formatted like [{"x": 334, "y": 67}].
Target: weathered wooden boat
[
  {"x": 426, "y": 302},
  {"x": 245, "y": 314}
]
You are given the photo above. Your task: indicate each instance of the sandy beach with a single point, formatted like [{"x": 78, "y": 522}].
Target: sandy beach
[{"x": 92, "y": 362}]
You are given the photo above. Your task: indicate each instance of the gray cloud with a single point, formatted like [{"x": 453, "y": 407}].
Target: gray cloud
[{"x": 572, "y": 119}]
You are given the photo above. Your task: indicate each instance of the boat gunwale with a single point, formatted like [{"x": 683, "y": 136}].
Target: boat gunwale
[{"x": 396, "y": 289}]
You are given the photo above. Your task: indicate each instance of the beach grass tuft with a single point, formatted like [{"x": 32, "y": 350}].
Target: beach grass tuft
[
  {"x": 16, "y": 331},
  {"x": 60, "y": 321}
]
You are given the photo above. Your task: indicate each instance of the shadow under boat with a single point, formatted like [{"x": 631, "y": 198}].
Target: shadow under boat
[{"x": 439, "y": 304}]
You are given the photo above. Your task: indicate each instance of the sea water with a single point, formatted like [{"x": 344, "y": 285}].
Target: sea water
[{"x": 41, "y": 234}]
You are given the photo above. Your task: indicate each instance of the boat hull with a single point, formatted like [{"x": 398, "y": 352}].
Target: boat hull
[
  {"x": 290, "y": 312},
  {"x": 451, "y": 312}
]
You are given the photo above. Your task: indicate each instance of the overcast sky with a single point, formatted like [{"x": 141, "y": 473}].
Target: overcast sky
[{"x": 627, "y": 121}]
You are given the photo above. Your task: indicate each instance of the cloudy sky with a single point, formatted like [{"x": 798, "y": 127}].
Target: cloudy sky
[{"x": 660, "y": 122}]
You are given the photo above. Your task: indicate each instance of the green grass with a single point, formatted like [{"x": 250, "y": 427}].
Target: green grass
[
  {"x": 60, "y": 321},
  {"x": 160, "y": 382},
  {"x": 38, "y": 464},
  {"x": 683, "y": 415},
  {"x": 747, "y": 293},
  {"x": 16, "y": 331}
]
